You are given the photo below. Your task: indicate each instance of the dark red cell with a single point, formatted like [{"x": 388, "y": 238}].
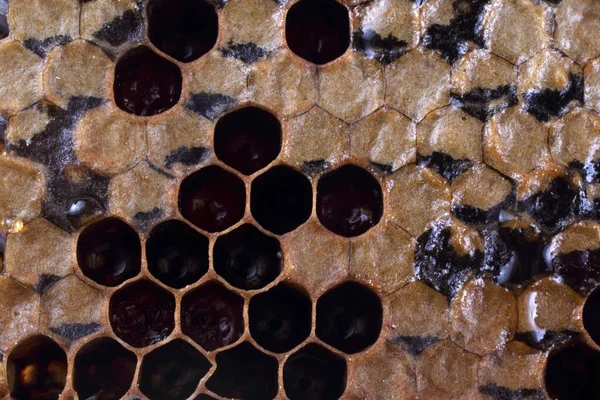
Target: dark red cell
[
  {"x": 248, "y": 139},
  {"x": 183, "y": 29},
  {"x": 591, "y": 316},
  {"x": 349, "y": 201},
  {"x": 37, "y": 369},
  {"x": 109, "y": 252},
  {"x": 145, "y": 83},
  {"x": 212, "y": 199},
  {"x": 103, "y": 370},
  {"x": 318, "y": 30},
  {"x": 572, "y": 373},
  {"x": 142, "y": 313},
  {"x": 212, "y": 316}
]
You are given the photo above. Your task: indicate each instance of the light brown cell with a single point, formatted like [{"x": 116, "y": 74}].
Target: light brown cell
[
  {"x": 68, "y": 302},
  {"x": 483, "y": 317},
  {"x": 515, "y": 142},
  {"x": 383, "y": 258},
  {"x": 21, "y": 189},
  {"x": 315, "y": 257},
  {"x": 418, "y": 83},
  {"x": 24, "y": 125},
  {"x": 385, "y": 137},
  {"x": 516, "y": 29},
  {"x": 480, "y": 187},
  {"x": 547, "y": 70},
  {"x": 538, "y": 180},
  {"x": 480, "y": 69},
  {"x": 592, "y": 84},
  {"x": 21, "y": 77},
  {"x": 142, "y": 196},
  {"x": 315, "y": 136},
  {"x": 40, "y": 249},
  {"x": 417, "y": 197},
  {"x": 77, "y": 69},
  {"x": 385, "y": 372},
  {"x": 41, "y": 19},
  {"x": 576, "y": 137},
  {"x": 577, "y": 31},
  {"x": 351, "y": 87},
  {"x": 109, "y": 141},
  {"x": 447, "y": 372},
  {"x": 287, "y": 84},
  {"x": 19, "y": 312}
]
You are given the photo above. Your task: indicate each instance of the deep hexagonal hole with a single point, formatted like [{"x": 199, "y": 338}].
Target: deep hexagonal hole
[
  {"x": 142, "y": 313},
  {"x": 280, "y": 319},
  {"x": 247, "y": 258},
  {"x": 314, "y": 372},
  {"x": 212, "y": 316},
  {"x": 244, "y": 372},
  {"x": 183, "y": 29},
  {"x": 572, "y": 373},
  {"x": 318, "y": 30},
  {"x": 103, "y": 370},
  {"x": 281, "y": 199},
  {"x": 212, "y": 199},
  {"x": 173, "y": 371},
  {"x": 177, "y": 255},
  {"x": 109, "y": 252},
  {"x": 349, "y": 317},
  {"x": 349, "y": 201},
  {"x": 145, "y": 83},
  {"x": 36, "y": 369},
  {"x": 248, "y": 139},
  {"x": 591, "y": 316}
]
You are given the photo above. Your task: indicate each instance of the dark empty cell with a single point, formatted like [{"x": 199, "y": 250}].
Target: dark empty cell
[
  {"x": 444, "y": 164},
  {"x": 591, "y": 316},
  {"x": 212, "y": 199},
  {"x": 318, "y": 30},
  {"x": 244, "y": 373},
  {"x": 314, "y": 373},
  {"x": 109, "y": 252},
  {"x": 173, "y": 371},
  {"x": 384, "y": 49},
  {"x": 281, "y": 199},
  {"x": 247, "y": 258},
  {"x": 183, "y": 29},
  {"x": 103, "y": 370},
  {"x": 349, "y": 317},
  {"x": 551, "y": 207},
  {"x": 177, "y": 255},
  {"x": 2, "y": 249},
  {"x": 36, "y": 370},
  {"x": 572, "y": 373},
  {"x": 579, "y": 269},
  {"x": 280, "y": 319},
  {"x": 3, "y": 19},
  {"x": 212, "y": 316},
  {"x": 349, "y": 201},
  {"x": 142, "y": 313},
  {"x": 248, "y": 139},
  {"x": 547, "y": 103},
  {"x": 145, "y": 83}
]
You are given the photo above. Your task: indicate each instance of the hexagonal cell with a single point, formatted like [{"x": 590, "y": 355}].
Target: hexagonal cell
[
  {"x": 483, "y": 84},
  {"x": 314, "y": 372},
  {"x": 19, "y": 312},
  {"x": 183, "y": 29},
  {"x": 318, "y": 31},
  {"x": 244, "y": 372},
  {"x": 281, "y": 318},
  {"x": 25, "y": 203},
  {"x": 212, "y": 316},
  {"x": 177, "y": 255},
  {"x": 37, "y": 369},
  {"x": 22, "y": 73},
  {"x": 349, "y": 201},
  {"x": 281, "y": 199},
  {"x": 591, "y": 316},
  {"x": 349, "y": 317},
  {"x": 386, "y": 138},
  {"x": 247, "y": 258},
  {"x": 248, "y": 139},
  {"x": 418, "y": 83},
  {"x": 109, "y": 252},
  {"x": 145, "y": 83},
  {"x": 212, "y": 199},
  {"x": 571, "y": 373},
  {"x": 173, "y": 371},
  {"x": 577, "y": 29},
  {"x": 103, "y": 370},
  {"x": 142, "y": 313}
]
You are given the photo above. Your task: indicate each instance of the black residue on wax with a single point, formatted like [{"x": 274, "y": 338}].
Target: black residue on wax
[
  {"x": 415, "y": 345},
  {"x": 503, "y": 393},
  {"x": 75, "y": 331},
  {"x": 245, "y": 52},
  {"x": 45, "y": 282},
  {"x": 187, "y": 156},
  {"x": 383, "y": 49},
  {"x": 124, "y": 28},
  {"x": 210, "y": 105},
  {"x": 484, "y": 103},
  {"x": 546, "y": 104},
  {"x": 42, "y": 47},
  {"x": 444, "y": 164}
]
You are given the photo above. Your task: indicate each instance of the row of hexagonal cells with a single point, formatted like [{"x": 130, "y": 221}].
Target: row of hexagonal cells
[{"x": 348, "y": 318}]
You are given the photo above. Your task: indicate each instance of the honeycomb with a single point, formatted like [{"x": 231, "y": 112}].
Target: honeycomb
[{"x": 299, "y": 199}]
